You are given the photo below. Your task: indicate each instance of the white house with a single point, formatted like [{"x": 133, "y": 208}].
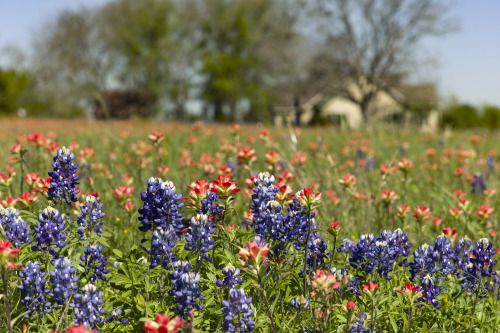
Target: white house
[{"x": 344, "y": 112}]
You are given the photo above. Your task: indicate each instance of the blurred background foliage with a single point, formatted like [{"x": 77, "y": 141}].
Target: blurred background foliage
[{"x": 226, "y": 61}]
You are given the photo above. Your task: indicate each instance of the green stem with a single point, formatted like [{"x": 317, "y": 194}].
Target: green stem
[
  {"x": 372, "y": 318},
  {"x": 309, "y": 222},
  {"x": 22, "y": 172},
  {"x": 6, "y": 299},
  {"x": 63, "y": 314},
  {"x": 409, "y": 320},
  {"x": 268, "y": 310},
  {"x": 473, "y": 308}
]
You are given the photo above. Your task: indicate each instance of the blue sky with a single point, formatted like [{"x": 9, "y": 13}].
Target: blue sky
[{"x": 465, "y": 64}]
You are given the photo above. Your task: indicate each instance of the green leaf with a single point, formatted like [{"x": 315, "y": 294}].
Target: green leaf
[{"x": 118, "y": 253}]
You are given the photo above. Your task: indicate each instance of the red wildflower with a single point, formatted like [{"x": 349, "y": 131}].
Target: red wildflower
[
  {"x": 32, "y": 178},
  {"x": 389, "y": 196},
  {"x": 123, "y": 192},
  {"x": 86, "y": 154},
  {"x": 16, "y": 149},
  {"x": 405, "y": 165},
  {"x": 272, "y": 157},
  {"x": 422, "y": 213},
  {"x": 299, "y": 158},
  {"x": 163, "y": 324},
  {"x": 254, "y": 251},
  {"x": 348, "y": 180},
  {"x": 370, "y": 287},
  {"x": 80, "y": 329},
  {"x": 350, "y": 306},
  {"x": 156, "y": 138},
  {"x": 224, "y": 187},
  {"x": 37, "y": 140},
  {"x": 402, "y": 211},
  {"x": 485, "y": 212},
  {"x": 52, "y": 147},
  {"x": 324, "y": 282},
  {"x": 247, "y": 155},
  {"x": 409, "y": 289},
  {"x": 235, "y": 129}
]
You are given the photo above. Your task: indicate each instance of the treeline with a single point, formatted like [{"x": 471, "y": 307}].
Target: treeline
[
  {"x": 218, "y": 59},
  {"x": 462, "y": 116}
]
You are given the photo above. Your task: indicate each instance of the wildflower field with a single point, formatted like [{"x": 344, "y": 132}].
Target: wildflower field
[{"x": 165, "y": 227}]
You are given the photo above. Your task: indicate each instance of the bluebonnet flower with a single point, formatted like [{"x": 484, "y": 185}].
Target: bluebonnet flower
[
  {"x": 238, "y": 303},
  {"x": 88, "y": 308},
  {"x": 63, "y": 280},
  {"x": 210, "y": 205},
  {"x": 481, "y": 264},
  {"x": 360, "y": 154},
  {"x": 429, "y": 291},
  {"x": 161, "y": 248},
  {"x": 185, "y": 290},
  {"x": 49, "y": 231},
  {"x": 439, "y": 257},
  {"x": 402, "y": 149},
  {"x": 495, "y": 284},
  {"x": 272, "y": 225},
  {"x": 462, "y": 256},
  {"x": 378, "y": 254},
  {"x": 358, "y": 326},
  {"x": 160, "y": 212},
  {"x": 234, "y": 168},
  {"x": 238, "y": 307},
  {"x": 300, "y": 302},
  {"x": 478, "y": 183},
  {"x": 231, "y": 277},
  {"x": 33, "y": 289},
  {"x": 199, "y": 236},
  {"x": 370, "y": 163},
  {"x": 264, "y": 193},
  {"x": 350, "y": 282},
  {"x": 161, "y": 205},
  {"x": 316, "y": 254},
  {"x": 116, "y": 316},
  {"x": 63, "y": 180},
  {"x": 95, "y": 262},
  {"x": 346, "y": 246},
  {"x": 15, "y": 227},
  {"x": 90, "y": 218},
  {"x": 490, "y": 162}
]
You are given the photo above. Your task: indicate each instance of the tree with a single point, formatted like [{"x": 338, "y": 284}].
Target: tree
[
  {"x": 491, "y": 117},
  {"x": 12, "y": 85},
  {"x": 140, "y": 37},
  {"x": 461, "y": 116},
  {"x": 71, "y": 60},
  {"x": 371, "y": 42},
  {"x": 244, "y": 48}
]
